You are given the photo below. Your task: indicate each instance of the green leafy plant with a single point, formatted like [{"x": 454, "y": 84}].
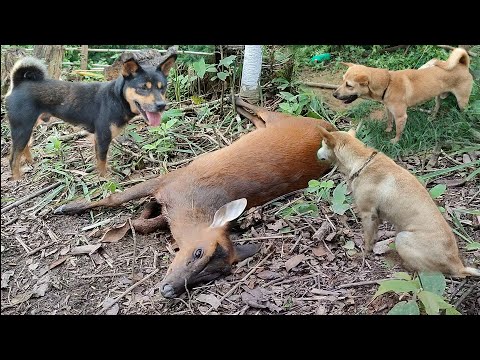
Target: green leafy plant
[
  {"x": 425, "y": 290},
  {"x": 163, "y": 132},
  {"x": 302, "y": 208},
  {"x": 340, "y": 203},
  {"x": 321, "y": 189}
]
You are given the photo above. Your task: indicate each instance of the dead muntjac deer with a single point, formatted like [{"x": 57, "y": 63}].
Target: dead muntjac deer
[{"x": 198, "y": 201}]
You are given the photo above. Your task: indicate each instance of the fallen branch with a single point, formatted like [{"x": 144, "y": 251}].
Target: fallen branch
[
  {"x": 320, "y": 85},
  {"x": 126, "y": 292},
  {"x": 361, "y": 283},
  {"x": 448, "y": 47},
  {"x": 29, "y": 197}
]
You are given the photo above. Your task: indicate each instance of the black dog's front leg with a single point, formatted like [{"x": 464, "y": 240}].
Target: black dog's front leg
[{"x": 103, "y": 138}]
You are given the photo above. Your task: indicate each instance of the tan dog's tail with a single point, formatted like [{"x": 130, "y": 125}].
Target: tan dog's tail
[
  {"x": 457, "y": 56},
  {"x": 469, "y": 271}
]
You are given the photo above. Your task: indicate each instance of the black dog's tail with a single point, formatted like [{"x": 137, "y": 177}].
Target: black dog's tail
[{"x": 27, "y": 69}]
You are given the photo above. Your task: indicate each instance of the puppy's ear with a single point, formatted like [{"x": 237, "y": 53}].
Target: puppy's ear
[
  {"x": 347, "y": 64},
  {"x": 352, "y": 132},
  {"x": 328, "y": 137},
  {"x": 361, "y": 79},
  {"x": 130, "y": 67},
  {"x": 167, "y": 64}
]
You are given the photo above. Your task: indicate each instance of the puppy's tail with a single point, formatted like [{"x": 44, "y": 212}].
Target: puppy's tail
[
  {"x": 27, "y": 69},
  {"x": 470, "y": 271},
  {"x": 458, "y": 56}
]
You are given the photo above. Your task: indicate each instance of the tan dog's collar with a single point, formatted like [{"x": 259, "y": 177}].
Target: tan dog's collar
[
  {"x": 363, "y": 166},
  {"x": 384, "y": 91}
]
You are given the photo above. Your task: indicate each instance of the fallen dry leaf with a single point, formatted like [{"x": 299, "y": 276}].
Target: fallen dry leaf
[
  {"x": 116, "y": 233},
  {"x": 113, "y": 310},
  {"x": 320, "y": 251},
  {"x": 277, "y": 225},
  {"x": 294, "y": 261},
  {"x": 268, "y": 275},
  {"x": 209, "y": 299},
  {"x": 6, "y": 278},
  {"x": 65, "y": 250},
  {"x": 42, "y": 286},
  {"x": 273, "y": 308},
  {"x": 330, "y": 236},
  {"x": 321, "y": 232},
  {"x": 33, "y": 266},
  {"x": 254, "y": 298},
  {"x": 57, "y": 262},
  {"x": 85, "y": 249},
  {"x": 381, "y": 247}
]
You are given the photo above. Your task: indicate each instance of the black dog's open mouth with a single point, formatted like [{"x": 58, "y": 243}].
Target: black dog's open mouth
[
  {"x": 153, "y": 118},
  {"x": 349, "y": 99}
]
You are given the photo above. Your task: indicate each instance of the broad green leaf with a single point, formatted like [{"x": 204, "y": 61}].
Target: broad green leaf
[
  {"x": 433, "y": 282},
  {"x": 313, "y": 114},
  {"x": 211, "y": 68},
  {"x": 397, "y": 286},
  {"x": 305, "y": 207},
  {"x": 473, "y": 246},
  {"x": 340, "y": 208},
  {"x": 222, "y": 75},
  {"x": 430, "y": 302},
  {"x": 402, "y": 275},
  {"x": 287, "y": 96},
  {"x": 200, "y": 67},
  {"x": 135, "y": 136},
  {"x": 441, "y": 209},
  {"x": 327, "y": 184},
  {"x": 228, "y": 60},
  {"x": 285, "y": 107},
  {"x": 437, "y": 190},
  {"x": 452, "y": 311},
  {"x": 405, "y": 308},
  {"x": 313, "y": 183},
  {"x": 349, "y": 245},
  {"x": 339, "y": 193}
]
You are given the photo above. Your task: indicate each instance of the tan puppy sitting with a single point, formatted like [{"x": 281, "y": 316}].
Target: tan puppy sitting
[
  {"x": 384, "y": 190},
  {"x": 398, "y": 90}
]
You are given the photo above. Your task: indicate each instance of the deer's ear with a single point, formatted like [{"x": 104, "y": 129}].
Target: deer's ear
[{"x": 228, "y": 212}]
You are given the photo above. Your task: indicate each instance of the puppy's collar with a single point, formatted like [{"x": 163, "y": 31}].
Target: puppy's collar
[
  {"x": 384, "y": 91},
  {"x": 355, "y": 175}
]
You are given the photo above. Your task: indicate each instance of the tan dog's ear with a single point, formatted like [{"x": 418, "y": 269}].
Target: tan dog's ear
[
  {"x": 361, "y": 79},
  {"x": 328, "y": 137},
  {"x": 347, "y": 64},
  {"x": 352, "y": 132}
]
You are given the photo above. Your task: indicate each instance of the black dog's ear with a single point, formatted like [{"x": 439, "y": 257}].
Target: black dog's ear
[
  {"x": 130, "y": 65},
  {"x": 168, "y": 61}
]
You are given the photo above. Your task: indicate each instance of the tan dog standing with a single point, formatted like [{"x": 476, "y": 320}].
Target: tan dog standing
[
  {"x": 398, "y": 90},
  {"x": 384, "y": 190}
]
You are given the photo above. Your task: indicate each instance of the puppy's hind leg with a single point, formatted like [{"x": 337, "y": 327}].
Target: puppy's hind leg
[
  {"x": 436, "y": 108},
  {"x": 389, "y": 120},
  {"x": 370, "y": 223},
  {"x": 400, "y": 115}
]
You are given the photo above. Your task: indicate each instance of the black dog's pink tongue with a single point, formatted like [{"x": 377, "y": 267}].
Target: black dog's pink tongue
[{"x": 154, "y": 118}]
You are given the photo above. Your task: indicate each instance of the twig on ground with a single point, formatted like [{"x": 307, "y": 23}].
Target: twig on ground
[
  {"x": 361, "y": 283},
  {"x": 102, "y": 275},
  {"x": 27, "y": 249},
  {"x": 74, "y": 136},
  {"x": 34, "y": 251},
  {"x": 464, "y": 296},
  {"x": 30, "y": 196},
  {"x": 134, "y": 235},
  {"x": 320, "y": 85},
  {"x": 126, "y": 292},
  {"x": 265, "y": 237}
]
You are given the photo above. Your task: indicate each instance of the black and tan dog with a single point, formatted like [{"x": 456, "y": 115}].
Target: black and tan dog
[{"x": 102, "y": 108}]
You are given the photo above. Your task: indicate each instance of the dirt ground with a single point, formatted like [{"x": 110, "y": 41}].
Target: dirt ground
[{"x": 303, "y": 267}]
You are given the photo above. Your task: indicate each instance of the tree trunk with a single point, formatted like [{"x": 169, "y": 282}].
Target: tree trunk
[
  {"x": 53, "y": 56},
  {"x": 84, "y": 57},
  {"x": 252, "y": 67},
  {"x": 9, "y": 57}
]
